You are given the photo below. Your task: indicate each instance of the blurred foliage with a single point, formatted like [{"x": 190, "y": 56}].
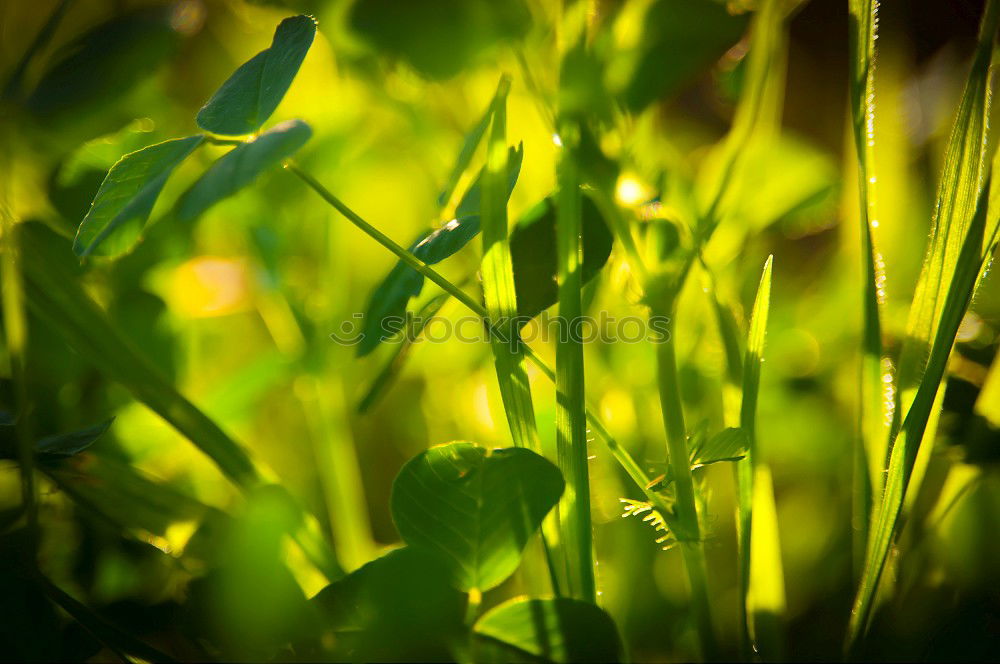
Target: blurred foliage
[{"x": 226, "y": 301}]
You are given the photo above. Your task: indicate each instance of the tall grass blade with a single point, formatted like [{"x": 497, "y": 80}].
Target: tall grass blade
[
  {"x": 962, "y": 176},
  {"x": 571, "y": 409},
  {"x": 498, "y": 285},
  {"x": 761, "y": 575},
  {"x": 975, "y": 252},
  {"x": 872, "y": 402}
]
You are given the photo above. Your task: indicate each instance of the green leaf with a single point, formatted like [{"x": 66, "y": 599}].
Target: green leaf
[
  {"x": 400, "y": 607},
  {"x": 681, "y": 38},
  {"x": 533, "y": 252},
  {"x": 872, "y": 447},
  {"x": 474, "y": 507},
  {"x": 905, "y": 447},
  {"x": 965, "y": 166},
  {"x": 558, "y": 630},
  {"x": 68, "y": 444},
  {"x": 240, "y": 166},
  {"x": 389, "y": 299},
  {"x": 127, "y": 195},
  {"x": 728, "y": 445},
  {"x": 248, "y": 98}
]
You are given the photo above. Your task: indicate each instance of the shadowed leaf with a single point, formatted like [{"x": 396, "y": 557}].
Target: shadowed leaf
[
  {"x": 248, "y": 98},
  {"x": 533, "y": 253},
  {"x": 728, "y": 445},
  {"x": 406, "y": 594},
  {"x": 681, "y": 38},
  {"x": 68, "y": 444},
  {"x": 241, "y": 166}
]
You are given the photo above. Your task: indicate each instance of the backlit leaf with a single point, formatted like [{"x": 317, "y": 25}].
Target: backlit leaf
[
  {"x": 728, "y": 445},
  {"x": 248, "y": 98},
  {"x": 241, "y": 166},
  {"x": 127, "y": 195},
  {"x": 474, "y": 507}
]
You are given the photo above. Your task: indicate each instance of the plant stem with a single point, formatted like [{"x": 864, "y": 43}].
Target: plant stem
[
  {"x": 571, "y": 409},
  {"x": 387, "y": 242},
  {"x": 689, "y": 534}
]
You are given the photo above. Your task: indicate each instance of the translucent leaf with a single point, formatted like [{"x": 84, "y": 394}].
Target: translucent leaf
[
  {"x": 248, "y": 98},
  {"x": 547, "y": 630},
  {"x": 474, "y": 507},
  {"x": 728, "y": 445},
  {"x": 241, "y": 166},
  {"x": 127, "y": 195}
]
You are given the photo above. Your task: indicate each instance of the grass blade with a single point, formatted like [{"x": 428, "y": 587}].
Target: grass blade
[
  {"x": 761, "y": 576},
  {"x": 961, "y": 180},
  {"x": 571, "y": 409},
  {"x": 873, "y": 402},
  {"x": 498, "y": 285},
  {"x": 976, "y": 250}
]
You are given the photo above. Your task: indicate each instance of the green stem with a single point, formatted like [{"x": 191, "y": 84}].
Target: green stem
[
  {"x": 571, "y": 409},
  {"x": 405, "y": 256},
  {"x": 689, "y": 534}
]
